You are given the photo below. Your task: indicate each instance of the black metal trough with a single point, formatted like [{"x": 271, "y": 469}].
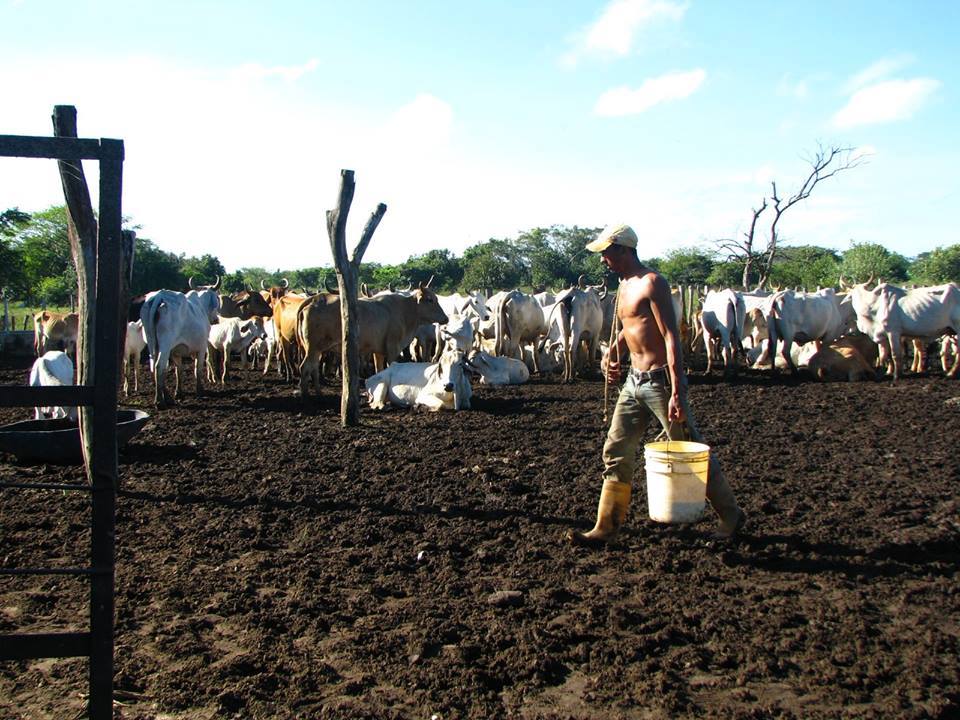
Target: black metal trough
[{"x": 58, "y": 441}]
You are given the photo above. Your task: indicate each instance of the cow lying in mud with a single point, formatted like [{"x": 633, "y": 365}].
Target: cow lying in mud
[
  {"x": 442, "y": 385},
  {"x": 495, "y": 370}
]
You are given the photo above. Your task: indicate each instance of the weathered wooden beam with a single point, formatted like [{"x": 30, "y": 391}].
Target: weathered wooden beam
[
  {"x": 64, "y": 395},
  {"x": 61, "y": 148},
  {"x": 46, "y": 645}
]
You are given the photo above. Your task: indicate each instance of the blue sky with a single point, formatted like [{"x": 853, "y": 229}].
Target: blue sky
[{"x": 481, "y": 121}]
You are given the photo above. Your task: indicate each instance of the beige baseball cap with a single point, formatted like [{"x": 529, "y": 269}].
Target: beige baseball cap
[{"x": 614, "y": 235}]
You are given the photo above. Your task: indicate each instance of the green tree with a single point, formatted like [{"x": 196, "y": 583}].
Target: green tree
[
  {"x": 806, "y": 266},
  {"x": 155, "y": 269},
  {"x": 941, "y": 265},
  {"x": 495, "y": 264},
  {"x": 864, "y": 261},
  {"x": 556, "y": 256},
  {"x": 726, "y": 274},
  {"x": 12, "y": 277},
  {"x": 204, "y": 269},
  {"x": 445, "y": 269},
  {"x": 686, "y": 266},
  {"x": 44, "y": 248}
]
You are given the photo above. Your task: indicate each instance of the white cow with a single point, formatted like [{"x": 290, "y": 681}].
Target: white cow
[
  {"x": 718, "y": 318},
  {"x": 227, "y": 336},
  {"x": 437, "y": 386},
  {"x": 457, "y": 334},
  {"x": 949, "y": 352},
  {"x": 498, "y": 370},
  {"x": 803, "y": 317},
  {"x": 578, "y": 316},
  {"x": 53, "y": 368},
  {"x": 269, "y": 343},
  {"x": 457, "y": 304},
  {"x": 887, "y": 314},
  {"x": 178, "y": 325},
  {"x": 545, "y": 298},
  {"x": 519, "y": 320},
  {"x": 133, "y": 348}
]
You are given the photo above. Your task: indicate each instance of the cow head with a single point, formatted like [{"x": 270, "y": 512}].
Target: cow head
[
  {"x": 449, "y": 382},
  {"x": 428, "y": 307}
]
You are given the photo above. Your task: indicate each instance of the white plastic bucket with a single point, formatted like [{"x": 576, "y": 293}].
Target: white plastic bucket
[{"x": 676, "y": 480}]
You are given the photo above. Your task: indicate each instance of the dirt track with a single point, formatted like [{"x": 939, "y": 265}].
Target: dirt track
[{"x": 271, "y": 564}]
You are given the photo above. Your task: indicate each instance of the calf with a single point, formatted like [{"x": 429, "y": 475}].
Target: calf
[
  {"x": 227, "y": 336},
  {"x": 133, "y": 348},
  {"x": 52, "y": 331},
  {"x": 457, "y": 334},
  {"x": 498, "y": 370},
  {"x": 437, "y": 386},
  {"x": 840, "y": 361},
  {"x": 51, "y": 369}
]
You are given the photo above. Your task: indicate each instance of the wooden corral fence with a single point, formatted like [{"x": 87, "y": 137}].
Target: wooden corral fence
[{"x": 98, "y": 424}]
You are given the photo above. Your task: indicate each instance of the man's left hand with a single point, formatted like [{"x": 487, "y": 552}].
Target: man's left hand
[{"x": 675, "y": 409}]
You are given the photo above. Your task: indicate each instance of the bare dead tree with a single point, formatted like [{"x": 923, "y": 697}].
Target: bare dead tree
[
  {"x": 824, "y": 164},
  {"x": 743, "y": 249},
  {"x": 348, "y": 273}
]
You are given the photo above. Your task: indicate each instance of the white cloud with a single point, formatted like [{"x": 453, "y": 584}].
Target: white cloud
[
  {"x": 877, "y": 71},
  {"x": 613, "y": 33},
  {"x": 255, "y": 71},
  {"x": 788, "y": 87},
  {"x": 653, "y": 91},
  {"x": 885, "y": 101}
]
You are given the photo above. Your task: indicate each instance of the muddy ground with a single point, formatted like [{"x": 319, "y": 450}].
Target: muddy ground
[{"x": 271, "y": 564}]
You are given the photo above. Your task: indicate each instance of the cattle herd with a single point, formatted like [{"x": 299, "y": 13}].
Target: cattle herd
[{"x": 447, "y": 340}]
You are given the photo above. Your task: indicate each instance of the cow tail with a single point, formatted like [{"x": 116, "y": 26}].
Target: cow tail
[
  {"x": 731, "y": 322},
  {"x": 774, "y": 331},
  {"x": 150, "y": 316},
  {"x": 500, "y": 325},
  {"x": 740, "y": 313}
]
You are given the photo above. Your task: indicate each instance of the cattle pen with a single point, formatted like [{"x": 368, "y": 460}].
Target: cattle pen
[
  {"x": 97, "y": 246},
  {"x": 273, "y": 564}
]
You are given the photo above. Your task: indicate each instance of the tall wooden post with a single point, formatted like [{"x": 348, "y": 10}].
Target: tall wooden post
[
  {"x": 98, "y": 354},
  {"x": 348, "y": 274}
]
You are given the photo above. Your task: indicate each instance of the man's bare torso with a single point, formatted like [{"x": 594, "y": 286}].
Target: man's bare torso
[{"x": 641, "y": 331}]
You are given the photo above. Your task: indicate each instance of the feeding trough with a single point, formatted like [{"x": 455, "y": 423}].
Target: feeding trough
[{"x": 58, "y": 441}]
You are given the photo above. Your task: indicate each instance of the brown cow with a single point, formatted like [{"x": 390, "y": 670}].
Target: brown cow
[
  {"x": 55, "y": 331},
  {"x": 386, "y": 325},
  {"x": 244, "y": 304},
  {"x": 840, "y": 360},
  {"x": 285, "y": 309}
]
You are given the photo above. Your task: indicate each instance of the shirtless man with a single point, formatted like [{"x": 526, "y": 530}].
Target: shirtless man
[{"x": 655, "y": 387}]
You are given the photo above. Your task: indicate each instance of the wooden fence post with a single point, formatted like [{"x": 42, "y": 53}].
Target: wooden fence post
[{"x": 348, "y": 273}]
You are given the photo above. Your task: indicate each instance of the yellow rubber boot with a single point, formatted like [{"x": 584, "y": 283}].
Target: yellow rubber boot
[{"x": 611, "y": 512}]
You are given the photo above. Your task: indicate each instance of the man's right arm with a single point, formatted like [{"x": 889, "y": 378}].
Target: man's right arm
[{"x": 613, "y": 362}]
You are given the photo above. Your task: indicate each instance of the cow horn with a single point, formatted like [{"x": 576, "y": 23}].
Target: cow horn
[
  {"x": 364, "y": 290},
  {"x": 284, "y": 283},
  {"x": 582, "y": 281},
  {"x": 429, "y": 281},
  {"x": 326, "y": 285},
  {"x": 263, "y": 284},
  {"x": 391, "y": 287},
  {"x": 216, "y": 285},
  {"x": 190, "y": 282}
]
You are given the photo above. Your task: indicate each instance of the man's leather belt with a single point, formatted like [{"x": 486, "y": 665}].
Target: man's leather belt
[{"x": 642, "y": 376}]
